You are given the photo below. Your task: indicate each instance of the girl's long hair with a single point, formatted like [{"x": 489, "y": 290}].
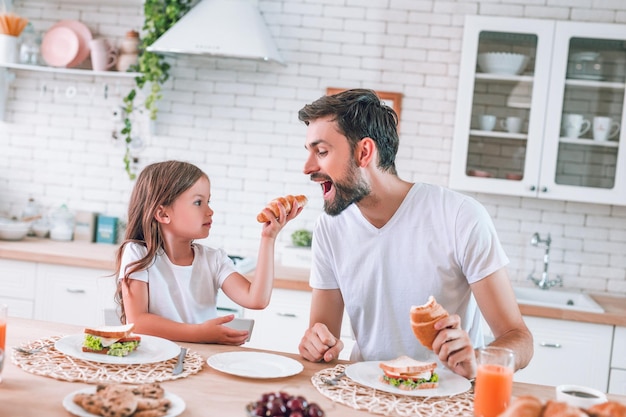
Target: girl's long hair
[{"x": 159, "y": 184}]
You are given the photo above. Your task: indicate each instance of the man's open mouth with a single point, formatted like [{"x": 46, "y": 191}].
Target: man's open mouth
[{"x": 326, "y": 186}]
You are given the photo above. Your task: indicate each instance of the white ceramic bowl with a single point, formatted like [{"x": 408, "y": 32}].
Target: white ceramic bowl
[
  {"x": 502, "y": 62},
  {"x": 13, "y": 230},
  {"x": 579, "y": 396}
]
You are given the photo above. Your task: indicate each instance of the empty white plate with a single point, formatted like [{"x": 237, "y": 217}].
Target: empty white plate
[{"x": 255, "y": 364}]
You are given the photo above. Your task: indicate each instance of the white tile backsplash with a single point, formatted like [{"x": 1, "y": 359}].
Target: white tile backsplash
[{"x": 237, "y": 120}]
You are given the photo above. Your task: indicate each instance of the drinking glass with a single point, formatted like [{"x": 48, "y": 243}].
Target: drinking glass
[
  {"x": 494, "y": 381},
  {"x": 3, "y": 325}
]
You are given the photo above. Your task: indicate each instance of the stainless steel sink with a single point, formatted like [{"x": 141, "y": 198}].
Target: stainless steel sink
[{"x": 567, "y": 300}]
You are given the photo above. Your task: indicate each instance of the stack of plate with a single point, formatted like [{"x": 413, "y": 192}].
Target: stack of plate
[{"x": 66, "y": 44}]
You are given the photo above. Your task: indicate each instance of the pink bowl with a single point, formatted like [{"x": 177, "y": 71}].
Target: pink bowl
[
  {"x": 479, "y": 173},
  {"x": 514, "y": 176}
]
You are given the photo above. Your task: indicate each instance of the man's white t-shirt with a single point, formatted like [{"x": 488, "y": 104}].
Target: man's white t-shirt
[
  {"x": 437, "y": 243},
  {"x": 185, "y": 294}
]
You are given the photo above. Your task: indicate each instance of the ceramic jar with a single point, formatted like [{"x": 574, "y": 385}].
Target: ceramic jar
[{"x": 128, "y": 52}]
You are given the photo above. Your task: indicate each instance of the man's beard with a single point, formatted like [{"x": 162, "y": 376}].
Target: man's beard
[{"x": 352, "y": 190}]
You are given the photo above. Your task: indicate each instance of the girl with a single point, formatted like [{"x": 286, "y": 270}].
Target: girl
[{"x": 167, "y": 284}]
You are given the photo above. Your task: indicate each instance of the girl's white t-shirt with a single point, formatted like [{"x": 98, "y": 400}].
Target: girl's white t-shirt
[
  {"x": 185, "y": 294},
  {"x": 437, "y": 243}
]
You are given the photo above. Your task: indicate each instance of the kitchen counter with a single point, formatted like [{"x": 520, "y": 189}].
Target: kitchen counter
[
  {"x": 207, "y": 393},
  {"x": 102, "y": 256}
]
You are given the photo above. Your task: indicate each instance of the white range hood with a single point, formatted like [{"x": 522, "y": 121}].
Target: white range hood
[{"x": 225, "y": 28}]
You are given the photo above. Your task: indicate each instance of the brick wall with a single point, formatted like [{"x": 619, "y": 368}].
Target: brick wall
[{"x": 238, "y": 121}]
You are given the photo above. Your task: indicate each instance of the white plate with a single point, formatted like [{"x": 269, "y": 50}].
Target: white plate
[
  {"x": 151, "y": 349},
  {"x": 177, "y": 404},
  {"x": 368, "y": 374},
  {"x": 254, "y": 364}
]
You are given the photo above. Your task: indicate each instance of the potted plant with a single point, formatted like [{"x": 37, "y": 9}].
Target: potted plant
[
  {"x": 159, "y": 16},
  {"x": 299, "y": 254}
]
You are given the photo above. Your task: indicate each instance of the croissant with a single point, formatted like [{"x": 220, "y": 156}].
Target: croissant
[
  {"x": 287, "y": 202},
  {"x": 423, "y": 320},
  {"x": 524, "y": 406}
]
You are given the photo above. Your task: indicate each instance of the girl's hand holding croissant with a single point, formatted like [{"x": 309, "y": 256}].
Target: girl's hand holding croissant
[{"x": 289, "y": 203}]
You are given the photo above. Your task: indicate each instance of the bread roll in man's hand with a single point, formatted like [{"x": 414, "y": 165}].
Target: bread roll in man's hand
[
  {"x": 423, "y": 320},
  {"x": 288, "y": 202}
]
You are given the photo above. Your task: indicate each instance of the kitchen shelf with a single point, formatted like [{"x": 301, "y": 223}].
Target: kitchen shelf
[
  {"x": 497, "y": 134},
  {"x": 589, "y": 142},
  {"x": 71, "y": 71},
  {"x": 595, "y": 84},
  {"x": 504, "y": 77}
]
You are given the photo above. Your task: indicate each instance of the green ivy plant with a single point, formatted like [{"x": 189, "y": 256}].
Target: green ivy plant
[{"x": 159, "y": 16}]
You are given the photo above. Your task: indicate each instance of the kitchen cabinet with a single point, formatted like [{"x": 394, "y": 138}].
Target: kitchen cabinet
[
  {"x": 568, "y": 352},
  {"x": 74, "y": 295},
  {"x": 617, "y": 381},
  {"x": 571, "y": 68},
  {"x": 282, "y": 324},
  {"x": 17, "y": 287}
]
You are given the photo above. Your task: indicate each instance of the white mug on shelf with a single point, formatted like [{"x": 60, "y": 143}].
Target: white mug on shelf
[
  {"x": 103, "y": 55},
  {"x": 512, "y": 124},
  {"x": 487, "y": 122},
  {"x": 575, "y": 125},
  {"x": 604, "y": 128}
]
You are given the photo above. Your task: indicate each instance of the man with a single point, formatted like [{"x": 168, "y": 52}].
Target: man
[{"x": 385, "y": 244}]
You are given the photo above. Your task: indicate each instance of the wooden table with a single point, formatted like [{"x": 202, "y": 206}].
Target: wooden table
[{"x": 207, "y": 393}]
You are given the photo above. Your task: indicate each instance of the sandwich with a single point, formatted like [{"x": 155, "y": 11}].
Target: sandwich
[
  {"x": 111, "y": 340},
  {"x": 409, "y": 374},
  {"x": 423, "y": 319}
]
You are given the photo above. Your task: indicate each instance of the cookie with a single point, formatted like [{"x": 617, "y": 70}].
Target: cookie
[
  {"x": 92, "y": 403},
  {"x": 121, "y": 403},
  {"x": 153, "y": 390},
  {"x": 155, "y": 412}
]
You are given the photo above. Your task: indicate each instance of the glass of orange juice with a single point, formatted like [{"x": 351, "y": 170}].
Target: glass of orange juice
[
  {"x": 3, "y": 325},
  {"x": 494, "y": 381}
]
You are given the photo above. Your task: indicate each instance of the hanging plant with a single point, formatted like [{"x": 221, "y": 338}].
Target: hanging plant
[{"x": 159, "y": 16}]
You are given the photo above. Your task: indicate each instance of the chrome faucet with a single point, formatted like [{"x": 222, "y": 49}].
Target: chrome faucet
[{"x": 544, "y": 283}]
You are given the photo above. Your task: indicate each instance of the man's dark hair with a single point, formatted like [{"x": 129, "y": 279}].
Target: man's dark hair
[{"x": 360, "y": 113}]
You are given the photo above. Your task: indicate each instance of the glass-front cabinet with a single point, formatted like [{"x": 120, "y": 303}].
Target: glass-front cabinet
[{"x": 540, "y": 109}]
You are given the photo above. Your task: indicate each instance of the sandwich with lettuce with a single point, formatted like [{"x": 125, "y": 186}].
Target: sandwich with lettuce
[{"x": 111, "y": 340}]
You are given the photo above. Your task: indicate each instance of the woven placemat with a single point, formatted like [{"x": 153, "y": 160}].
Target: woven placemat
[
  {"x": 54, "y": 364},
  {"x": 347, "y": 392}
]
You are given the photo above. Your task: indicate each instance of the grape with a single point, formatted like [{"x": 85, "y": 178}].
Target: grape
[
  {"x": 295, "y": 404},
  {"x": 314, "y": 411},
  {"x": 276, "y": 407},
  {"x": 282, "y": 404}
]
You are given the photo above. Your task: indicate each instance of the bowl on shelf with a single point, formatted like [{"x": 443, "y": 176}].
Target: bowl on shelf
[
  {"x": 13, "y": 230},
  {"x": 502, "y": 63},
  {"x": 479, "y": 173}
]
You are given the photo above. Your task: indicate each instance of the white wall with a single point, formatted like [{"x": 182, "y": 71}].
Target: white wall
[{"x": 238, "y": 121}]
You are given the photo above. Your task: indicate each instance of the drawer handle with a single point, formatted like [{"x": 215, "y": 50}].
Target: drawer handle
[
  {"x": 286, "y": 314},
  {"x": 550, "y": 345},
  {"x": 230, "y": 310},
  {"x": 75, "y": 291}
]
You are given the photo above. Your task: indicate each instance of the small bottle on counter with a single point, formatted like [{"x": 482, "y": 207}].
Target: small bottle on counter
[
  {"x": 31, "y": 213},
  {"x": 128, "y": 51},
  {"x": 61, "y": 224}
]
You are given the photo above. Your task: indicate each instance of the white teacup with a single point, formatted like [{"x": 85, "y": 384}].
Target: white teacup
[
  {"x": 575, "y": 125},
  {"x": 512, "y": 124},
  {"x": 103, "y": 55},
  {"x": 604, "y": 128},
  {"x": 487, "y": 122}
]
